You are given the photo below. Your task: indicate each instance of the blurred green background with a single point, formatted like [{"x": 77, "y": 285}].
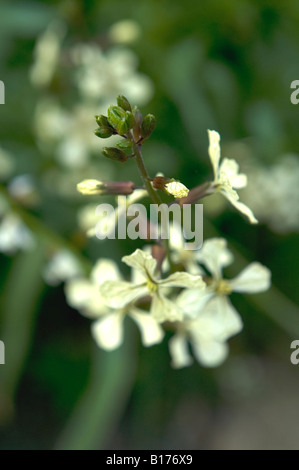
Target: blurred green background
[{"x": 195, "y": 65}]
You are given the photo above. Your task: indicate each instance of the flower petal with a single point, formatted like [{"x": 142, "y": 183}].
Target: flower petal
[
  {"x": 254, "y": 278},
  {"x": 108, "y": 331},
  {"x": 143, "y": 262},
  {"x": 163, "y": 309},
  {"x": 178, "y": 349},
  {"x": 214, "y": 151},
  {"x": 230, "y": 169},
  {"x": 105, "y": 270},
  {"x": 240, "y": 206},
  {"x": 192, "y": 301},
  {"x": 219, "y": 320},
  {"x": 182, "y": 279},
  {"x": 82, "y": 295},
  {"x": 117, "y": 294},
  {"x": 215, "y": 255},
  {"x": 151, "y": 331},
  {"x": 210, "y": 353}
]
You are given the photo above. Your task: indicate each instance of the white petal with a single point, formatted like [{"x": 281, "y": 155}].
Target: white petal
[
  {"x": 240, "y": 206},
  {"x": 215, "y": 255},
  {"x": 219, "y": 320},
  {"x": 105, "y": 270},
  {"x": 230, "y": 169},
  {"x": 254, "y": 278},
  {"x": 108, "y": 331},
  {"x": 210, "y": 353},
  {"x": 214, "y": 151},
  {"x": 151, "y": 331},
  {"x": 192, "y": 301},
  {"x": 141, "y": 261},
  {"x": 178, "y": 349},
  {"x": 183, "y": 279},
  {"x": 163, "y": 309},
  {"x": 85, "y": 296},
  {"x": 117, "y": 294}
]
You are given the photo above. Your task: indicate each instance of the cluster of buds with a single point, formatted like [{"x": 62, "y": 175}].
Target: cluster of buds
[{"x": 126, "y": 122}]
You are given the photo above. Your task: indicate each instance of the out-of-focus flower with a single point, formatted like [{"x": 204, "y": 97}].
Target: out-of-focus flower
[
  {"x": 207, "y": 335},
  {"x": 209, "y": 317},
  {"x": 103, "y": 75},
  {"x": 227, "y": 177},
  {"x": 61, "y": 267},
  {"x": 179, "y": 255},
  {"x": 273, "y": 193},
  {"x": 89, "y": 221},
  {"x": 124, "y": 32},
  {"x": 146, "y": 282},
  {"x": 47, "y": 53},
  {"x": 108, "y": 329},
  {"x": 14, "y": 235},
  {"x": 23, "y": 189}
]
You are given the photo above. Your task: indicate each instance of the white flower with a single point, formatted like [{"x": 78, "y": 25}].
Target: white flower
[
  {"x": 209, "y": 317},
  {"x": 14, "y": 235},
  {"x": 179, "y": 255},
  {"x": 253, "y": 279},
  {"x": 146, "y": 282},
  {"x": 47, "y": 52},
  {"x": 206, "y": 336},
  {"x": 124, "y": 32},
  {"x": 61, "y": 267},
  {"x": 227, "y": 177},
  {"x": 177, "y": 189},
  {"x": 108, "y": 330},
  {"x": 90, "y": 223}
]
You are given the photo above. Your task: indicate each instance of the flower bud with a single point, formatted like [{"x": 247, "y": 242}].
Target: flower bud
[
  {"x": 104, "y": 132},
  {"x": 170, "y": 186},
  {"x": 148, "y": 125},
  {"x": 123, "y": 103},
  {"x": 114, "y": 154},
  {"x": 138, "y": 122},
  {"x": 125, "y": 145},
  {"x": 90, "y": 187},
  {"x": 119, "y": 119}
]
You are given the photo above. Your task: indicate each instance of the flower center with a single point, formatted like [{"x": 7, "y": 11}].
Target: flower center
[
  {"x": 223, "y": 288},
  {"x": 152, "y": 286}
]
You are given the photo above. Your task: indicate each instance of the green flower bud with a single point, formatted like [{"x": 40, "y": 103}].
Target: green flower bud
[
  {"x": 114, "y": 154},
  {"x": 104, "y": 132},
  {"x": 118, "y": 119},
  {"x": 130, "y": 119},
  {"x": 123, "y": 103},
  {"x": 138, "y": 122},
  {"x": 125, "y": 145},
  {"x": 102, "y": 121},
  {"x": 148, "y": 125}
]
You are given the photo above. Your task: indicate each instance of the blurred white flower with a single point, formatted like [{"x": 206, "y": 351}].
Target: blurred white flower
[
  {"x": 146, "y": 282},
  {"x": 14, "y": 235},
  {"x": 46, "y": 54},
  {"x": 102, "y": 76},
  {"x": 179, "y": 255},
  {"x": 227, "y": 177},
  {"x": 273, "y": 193},
  {"x": 23, "y": 189},
  {"x": 124, "y": 32},
  {"x": 207, "y": 335},
  {"x": 89, "y": 221},
  {"x": 108, "y": 329},
  {"x": 209, "y": 317},
  {"x": 61, "y": 267}
]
